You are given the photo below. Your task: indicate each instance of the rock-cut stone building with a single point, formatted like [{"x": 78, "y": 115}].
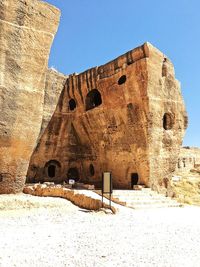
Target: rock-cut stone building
[{"x": 127, "y": 116}]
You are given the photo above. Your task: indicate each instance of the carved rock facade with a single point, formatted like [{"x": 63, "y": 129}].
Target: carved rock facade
[{"x": 127, "y": 117}]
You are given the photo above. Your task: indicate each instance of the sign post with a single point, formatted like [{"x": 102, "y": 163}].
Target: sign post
[
  {"x": 71, "y": 182},
  {"x": 106, "y": 185}
]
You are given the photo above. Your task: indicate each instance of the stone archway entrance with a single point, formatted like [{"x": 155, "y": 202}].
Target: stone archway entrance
[
  {"x": 73, "y": 174},
  {"x": 134, "y": 179},
  {"x": 52, "y": 170}
]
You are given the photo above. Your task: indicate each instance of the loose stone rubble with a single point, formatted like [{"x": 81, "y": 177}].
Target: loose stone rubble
[{"x": 79, "y": 198}]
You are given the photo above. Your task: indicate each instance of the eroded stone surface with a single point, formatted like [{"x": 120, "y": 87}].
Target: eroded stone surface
[
  {"x": 27, "y": 29},
  {"x": 82, "y": 198},
  {"x": 54, "y": 84},
  {"x": 127, "y": 117},
  {"x": 189, "y": 159}
]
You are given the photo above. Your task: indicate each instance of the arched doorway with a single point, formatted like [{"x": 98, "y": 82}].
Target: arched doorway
[
  {"x": 52, "y": 169},
  {"x": 134, "y": 179},
  {"x": 73, "y": 174}
]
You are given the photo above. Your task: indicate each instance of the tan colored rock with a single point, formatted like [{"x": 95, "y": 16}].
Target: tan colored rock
[
  {"x": 81, "y": 200},
  {"x": 137, "y": 187},
  {"x": 27, "y": 29},
  {"x": 167, "y": 119},
  {"x": 127, "y": 117},
  {"x": 189, "y": 159},
  {"x": 54, "y": 84}
]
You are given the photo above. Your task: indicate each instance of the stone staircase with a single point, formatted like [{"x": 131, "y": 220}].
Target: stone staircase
[{"x": 143, "y": 199}]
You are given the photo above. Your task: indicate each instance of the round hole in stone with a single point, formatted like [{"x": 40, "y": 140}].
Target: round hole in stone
[
  {"x": 92, "y": 171},
  {"x": 122, "y": 79},
  {"x": 72, "y": 104}
]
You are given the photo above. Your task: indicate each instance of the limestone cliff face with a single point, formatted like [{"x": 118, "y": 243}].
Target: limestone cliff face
[
  {"x": 167, "y": 119},
  {"x": 54, "y": 84},
  {"x": 27, "y": 29}
]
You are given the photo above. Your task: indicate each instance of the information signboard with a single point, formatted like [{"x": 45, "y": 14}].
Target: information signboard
[
  {"x": 106, "y": 185},
  {"x": 71, "y": 181}
]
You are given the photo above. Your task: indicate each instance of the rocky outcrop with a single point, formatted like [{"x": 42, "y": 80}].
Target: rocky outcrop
[
  {"x": 27, "y": 29},
  {"x": 76, "y": 197},
  {"x": 127, "y": 117},
  {"x": 54, "y": 84}
]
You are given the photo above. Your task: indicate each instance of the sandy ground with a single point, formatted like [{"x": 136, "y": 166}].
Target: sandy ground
[{"x": 53, "y": 232}]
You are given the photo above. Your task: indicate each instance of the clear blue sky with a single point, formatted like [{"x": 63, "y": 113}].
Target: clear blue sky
[{"x": 92, "y": 32}]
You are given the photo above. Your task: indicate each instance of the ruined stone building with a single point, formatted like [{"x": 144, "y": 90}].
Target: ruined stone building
[
  {"x": 127, "y": 116},
  {"x": 189, "y": 159}
]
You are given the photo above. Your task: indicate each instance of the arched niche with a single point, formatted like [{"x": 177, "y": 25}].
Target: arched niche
[
  {"x": 52, "y": 169},
  {"x": 93, "y": 99}
]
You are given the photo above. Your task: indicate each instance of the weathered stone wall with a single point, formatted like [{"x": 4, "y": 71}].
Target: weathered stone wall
[
  {"x": 167, "y": 119},
  {"x": 112, "y": 136},
  {"x": 189, "y": 158},
  {"x": 54, "y": 84},
  {"x": 27, "y": 29},
  {"x": 112, "y": 118}
]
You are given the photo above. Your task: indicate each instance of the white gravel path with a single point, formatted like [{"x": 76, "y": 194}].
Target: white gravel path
[{"x": 60, "y": 234}]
